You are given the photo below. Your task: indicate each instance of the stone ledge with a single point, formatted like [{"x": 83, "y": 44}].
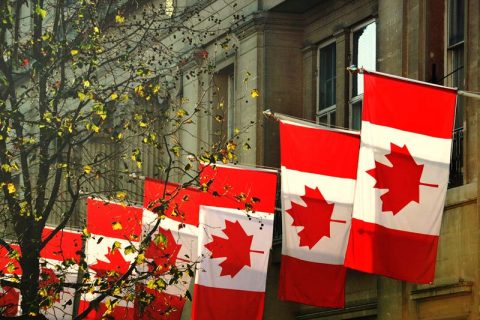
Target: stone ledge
[
  {"x": 349, "y": 312},
  {"x": 459, "y": 288},
  {"x": 461, "y": 195}
]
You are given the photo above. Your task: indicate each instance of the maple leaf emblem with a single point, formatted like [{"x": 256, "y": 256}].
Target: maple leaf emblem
[
  {"x": 236, "y": 249},
  {"x": 163, "y": 254},
  {"x": 49, "y": 282},
  {"x": 402, "y": 179},
  {"x": 315, "y": 217},
  {"x": 115, "y": 266}
]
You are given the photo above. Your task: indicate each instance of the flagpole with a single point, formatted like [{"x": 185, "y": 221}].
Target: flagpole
[
  {"x": 355, "y": 70},
  {"x": 305, "y": 122}
]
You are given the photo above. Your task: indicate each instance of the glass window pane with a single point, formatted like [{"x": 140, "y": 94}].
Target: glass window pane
[
  {"x": 332, "y": 119},
  {"x": 364, "y": 54},
  {"x": 456, "y": 21},
  {"x": 327, "y": 76},
  {"x": 357, "y": 115},
  {"x": 323, "y": 119}
]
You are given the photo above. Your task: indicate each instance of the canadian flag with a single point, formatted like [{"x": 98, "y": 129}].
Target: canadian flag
[
  {"x": 174, "y": 244},
  {"x": 402, "y": 178},
  {"x": 318, "y": 166},
  {"x": 114, "y": 228},
  {"x": 10, "y": 269},
  {"x": 64, "y": 245},
  {"x": 178, "y": 232},
  {"x": 234, "y": 244}
]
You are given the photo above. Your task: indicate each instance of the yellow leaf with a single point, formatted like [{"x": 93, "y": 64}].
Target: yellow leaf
[
  {"x": 181, "y": 113},
  {"x": 117, "y": 225},
  {"x": 74, "y": 52},
  {"x": 116, "y": 245},
  {"x": 46, "y": 37},
  {"x": 87, "y": 169},
  {"x": 86, "y": 233},
  {"x": 140, "y": 258},
  {"x": 86, "y": 83},
  {"x": 113, "y": 96},
  {"x": 11, "y": 188},
  {"x": 128, "y": 250},
  {"x": 121, "y": 195},
  {"x": 231, "y": 146},
  {"x": 255, "y": 93},
  {"x": 41, "y": 12},
  {"x": 119, "y": 19},
  {"x": 139, "y": 90},
  {"x": 96, "y": 29},
  {"x": 81, "y": 96}
]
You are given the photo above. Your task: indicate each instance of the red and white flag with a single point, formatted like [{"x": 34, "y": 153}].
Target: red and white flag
[
  {"x": 65, "y": 245},
  {"x": 178, "y": 231},
  {"x": 114, "y": 228},
  {"x": 11, "y": 270},
  {"x": 402, "y": 178},
  {"x": 174, "y": 244},
  {"x": 319, "y": 167},
  {"x": 234, "y": 244}
]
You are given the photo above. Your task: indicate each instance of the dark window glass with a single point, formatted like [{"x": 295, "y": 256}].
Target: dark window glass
[
  {"x": 328, "y": 75},
  {"x": 456, "y": 22}
]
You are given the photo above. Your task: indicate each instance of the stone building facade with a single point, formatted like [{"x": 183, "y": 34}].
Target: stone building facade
[{"x": 295, "y": 53}]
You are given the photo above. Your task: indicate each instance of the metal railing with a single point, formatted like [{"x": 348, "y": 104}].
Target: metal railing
[{"x": 456, "y": 162}]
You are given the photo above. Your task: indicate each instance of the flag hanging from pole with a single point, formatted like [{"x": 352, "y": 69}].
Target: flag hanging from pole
[
  {"x": 319, "y": 167},
  {"x": 114, "y": 227},
  {"x": 57, "y": 304},
  {"x": 234, "y": 243},
  {"x": 402, "y": 178}
]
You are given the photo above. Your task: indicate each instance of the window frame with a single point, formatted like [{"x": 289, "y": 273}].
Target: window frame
[
  {"x": 455, "y": 49},
  {"x": 352, "y": 100},
  {"x": 328, "y": 111}
]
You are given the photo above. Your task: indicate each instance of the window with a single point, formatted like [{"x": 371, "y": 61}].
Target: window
[
  {"x": 363, "y": 55},
  {"x": 327, "y": 75},
  {"x": 456, "y": 78},
  {"x": 224, "y": 103}
]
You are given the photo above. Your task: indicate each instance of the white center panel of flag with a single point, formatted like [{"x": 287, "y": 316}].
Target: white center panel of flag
[
  {"x": 185, "y": 236},
  {"x": 213, "y": 222},
  {"x": 433, "y": 153},
  {"x": 338, "y": 192}
]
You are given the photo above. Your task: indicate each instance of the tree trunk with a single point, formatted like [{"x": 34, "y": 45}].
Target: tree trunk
[{"x": 29, "y": 283}]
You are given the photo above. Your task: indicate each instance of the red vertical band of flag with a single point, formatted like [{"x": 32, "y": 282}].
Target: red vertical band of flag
[
  {"x": 402, "y": 178},
  {"x": 164, "y": 306},
  {"x": 114, "y": 220},
  {"x": 372, "y": 242},
  {"x": 183, "y": 203},
  {"x": 296, "y": 284},
  {"x": 117, "y": 313},
  {"x": 222, "y": 304},
  {"x": 233, "y": 187},
  {"x": 409, "y": 106},
  {"x": 64, "y": 245}
]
